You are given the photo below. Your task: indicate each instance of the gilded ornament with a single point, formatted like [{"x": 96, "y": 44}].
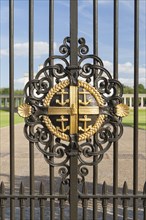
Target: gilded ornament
[
  {"x": 24, "y": 110},
  {"x": 122, "y": 110},
  {"x": 73, "y": 110}
]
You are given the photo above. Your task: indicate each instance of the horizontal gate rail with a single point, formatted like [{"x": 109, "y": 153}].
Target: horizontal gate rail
[
  {"x": 35, "y": 196},
  {"x": 88, "y": 196}
]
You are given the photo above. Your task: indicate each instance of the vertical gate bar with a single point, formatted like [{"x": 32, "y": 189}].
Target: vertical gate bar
[
  {"x": 144, "y": 202},
  {"x": 104, "y": 200},
  {"x": 62, "y": 202},
  {"x": 115, "y": 145},
  {"x": 104, "y": 206},
  {"x": 51, "y": 28},
  {"x": 42, "y": 211},
  {"x": 51, "y": 53},
  {"x": 125, "y": 209},
  {"x": 144, "y": 209},
  {"x": 74, "y": 32},
  {"x": 21, "y": 202},
  {"x": 73, "y": 62},
  {"x": 95, "y": 51},
  {"x": 31, "y": 70},
  {"x": 2, "y": 209},
  {"x": 85, "y": 209},
  {"x": 11, "y": 85},
  {"x": 22, "y": 209},
  {"x": 135, "y": 131},
  {"x": 85, "y": 201},
  {"x": 42, "y": 201},
  {"x": 2, "y": 201},
  {"x": 95, "y": 27},
  {"x": 125, "y": 201}
]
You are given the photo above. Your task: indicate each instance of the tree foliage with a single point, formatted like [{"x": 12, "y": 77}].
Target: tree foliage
[
  {"x": 127, "y": 90},
  {"x": 5, "y": 91},
  {"x": 130, "y": 90},
  {"x": 141, "y": 89}
]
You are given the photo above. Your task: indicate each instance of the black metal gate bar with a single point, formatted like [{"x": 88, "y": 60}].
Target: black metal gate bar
[
  {"x": 95, "y": 27},
  {"x": 73, "y": 157},
  {"x": 51, "y": 28},
  {"x": 95, "y": 52},
  {"x": 51, "y": 53},
  {"x": 31, "y": 72},
  {"x": 135, "y": 131},
  {"x": 115, "y": 74},
  {"x": 11, "y": 85}
]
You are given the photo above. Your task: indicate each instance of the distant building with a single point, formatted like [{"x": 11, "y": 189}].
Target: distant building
[{"x": 128, "y": 99}]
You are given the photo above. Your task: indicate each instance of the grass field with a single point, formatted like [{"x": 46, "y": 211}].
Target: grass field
[
  {"x": 4, "y": 118},
  {"x": 141, "y": 119},
  {"x": 128, "y": 121}
]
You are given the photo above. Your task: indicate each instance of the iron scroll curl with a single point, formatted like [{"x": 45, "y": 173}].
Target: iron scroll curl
[{"x": 110, "y": 109}]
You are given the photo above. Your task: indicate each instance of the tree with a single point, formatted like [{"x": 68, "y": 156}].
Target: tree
[
  {"x": 5, "y": 91},
  {"x": 130, "y": 90},
  {"x": 141, "y": 88},
  {"x": 127, "y": 89}
]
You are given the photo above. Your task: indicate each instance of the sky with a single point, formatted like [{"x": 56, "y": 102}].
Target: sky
[{"x": 62, "y": 21}]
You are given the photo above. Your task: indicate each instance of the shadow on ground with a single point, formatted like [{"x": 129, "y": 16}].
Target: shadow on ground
[{"x": 66, "y": 206}]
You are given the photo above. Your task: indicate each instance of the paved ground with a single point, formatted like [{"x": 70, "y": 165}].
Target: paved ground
[{"x": 105, "y": 168}]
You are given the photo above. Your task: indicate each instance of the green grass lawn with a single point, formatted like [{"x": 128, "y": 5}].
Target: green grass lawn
[
  {"x": 4, "y": 118},
  {"x": 141, "y": 119}
]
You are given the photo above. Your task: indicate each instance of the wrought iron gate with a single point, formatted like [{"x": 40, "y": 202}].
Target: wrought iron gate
[{"x": 73, "y": 114}]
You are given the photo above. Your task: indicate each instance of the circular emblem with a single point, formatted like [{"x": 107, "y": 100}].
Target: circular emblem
[{"x": 73, "y": 109}]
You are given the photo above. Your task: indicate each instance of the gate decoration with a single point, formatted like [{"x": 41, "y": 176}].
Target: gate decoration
[{"x": 84, "y": 103}]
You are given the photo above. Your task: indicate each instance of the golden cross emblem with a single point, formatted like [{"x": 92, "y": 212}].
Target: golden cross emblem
[{"x": 76, "y": 107}]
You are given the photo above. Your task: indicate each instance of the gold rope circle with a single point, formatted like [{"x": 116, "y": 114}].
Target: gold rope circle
[{"x": 91, "y": 90}]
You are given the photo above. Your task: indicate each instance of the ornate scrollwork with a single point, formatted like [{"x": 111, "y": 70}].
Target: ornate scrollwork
[
  {"x": 65, "y": 47},
  {"x": 53, "y": 110},
  {"x": 83, "y": 48}
]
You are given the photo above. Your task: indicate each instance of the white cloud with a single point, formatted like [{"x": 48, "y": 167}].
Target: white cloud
[
  {"x": 21, "y": 49},
  {"x": 108, "y": 65},
  {"x": 85, "y": 4},
  {"x": 63, "y": 3},
  {"x": 125, "y": 68},
  {"x": 105, "y": 1},
  {"x": 130, "y": 82},
  {"x": 4, "y": 52},
  {"x": 125, "y": 74},
  {"x": 20, "y": 83}
]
